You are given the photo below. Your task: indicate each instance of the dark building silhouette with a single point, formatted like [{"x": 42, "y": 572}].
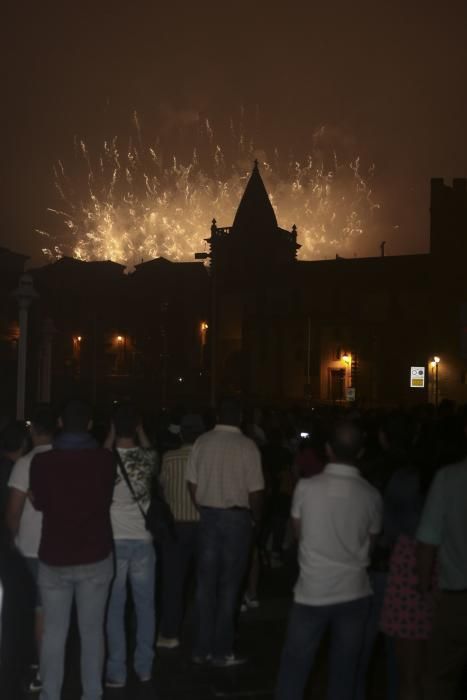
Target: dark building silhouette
[
  {"x": 253, "y": 268},
  {"x": 11, "y": 267},
  {"x": 256, "y": 321},
  {"x": 449, "y": 220}
]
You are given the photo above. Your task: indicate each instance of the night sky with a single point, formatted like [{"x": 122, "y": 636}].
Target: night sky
[{"x": 388, "y": 81}]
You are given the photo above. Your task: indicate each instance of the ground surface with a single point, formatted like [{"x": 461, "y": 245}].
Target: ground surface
[{"x": 260, "y": 638}]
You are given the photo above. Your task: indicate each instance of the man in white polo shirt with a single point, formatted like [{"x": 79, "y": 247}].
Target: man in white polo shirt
[
  {"x": 335, "y": 514},
  {"x": 226, "y": 482}
]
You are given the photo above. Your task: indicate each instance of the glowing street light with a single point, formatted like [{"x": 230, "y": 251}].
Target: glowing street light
[
  {"x": 213, "y": 318},
  {"x": 435, "y": 365}
]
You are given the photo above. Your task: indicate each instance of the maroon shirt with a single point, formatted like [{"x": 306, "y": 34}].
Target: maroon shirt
[
  {"x": 73, "y": 489},
  {"x": 308, "y": 463}
]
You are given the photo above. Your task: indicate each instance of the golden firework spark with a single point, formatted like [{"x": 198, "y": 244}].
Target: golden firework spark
[{"x": 131, "y": 205}]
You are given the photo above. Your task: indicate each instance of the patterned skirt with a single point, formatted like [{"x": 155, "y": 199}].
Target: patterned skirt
[{"x": 406, "y": 614}]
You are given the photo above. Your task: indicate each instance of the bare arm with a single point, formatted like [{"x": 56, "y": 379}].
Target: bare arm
[
  {"x": 142, "y": 437},
  {"x": 192, "y": 488},
  {"x": 426, "y": 554},
  {"x": 109, "y": 441},
  {"x": 255, "y": 499},
  {"x": 14, "y": 510}
]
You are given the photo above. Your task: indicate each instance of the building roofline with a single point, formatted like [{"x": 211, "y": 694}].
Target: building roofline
[
  {"x": 8, "y": 251},
  {"x": 382, "y": 258}
]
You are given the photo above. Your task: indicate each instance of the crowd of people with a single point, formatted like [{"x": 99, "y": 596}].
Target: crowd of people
[{"x": 369, "y": 509}]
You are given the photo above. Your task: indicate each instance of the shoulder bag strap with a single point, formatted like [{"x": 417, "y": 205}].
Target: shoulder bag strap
[{"x": 127, "y": 481}]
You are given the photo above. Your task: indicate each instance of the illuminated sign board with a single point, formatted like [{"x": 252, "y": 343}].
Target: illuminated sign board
[{"x": 417, "y": 377}]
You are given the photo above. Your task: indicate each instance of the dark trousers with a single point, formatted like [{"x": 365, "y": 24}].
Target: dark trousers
[
  {"x": 378, "y": 582},
  {"x": 448, "y": 646},
  {"x": 306, "y": 628},
  {"x": 178, "y": 555},
  {"x": 224, "y": 546},
  {"x": 17, "y": 621}
]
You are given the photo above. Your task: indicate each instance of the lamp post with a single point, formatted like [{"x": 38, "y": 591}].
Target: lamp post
[
  {"x": 24, "y": 294},
  {"x": 213, "y": 327},
  {"x": 436, "y": 360},
  {"x": 347, "y": 360}
]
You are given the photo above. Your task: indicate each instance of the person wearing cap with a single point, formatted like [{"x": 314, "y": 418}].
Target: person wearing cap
[
  {"x": 169, "y": 436},
  {"x": 178, "y": 551}
]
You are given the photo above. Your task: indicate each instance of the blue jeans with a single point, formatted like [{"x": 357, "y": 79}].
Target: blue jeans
[
  {"x": 89, "y": 585},
  {"x": 136, "y": 560},
  {"x": 224, "y": 547},
  {"x": 307, "y": 625}
]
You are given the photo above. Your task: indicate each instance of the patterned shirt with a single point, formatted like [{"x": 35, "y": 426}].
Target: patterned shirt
[
  {"x": 127, "y": 519},
  {"x": 173, "y": 480}
]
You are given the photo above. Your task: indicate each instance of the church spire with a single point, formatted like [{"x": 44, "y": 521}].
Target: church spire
[{"x": 255, "y": 209}]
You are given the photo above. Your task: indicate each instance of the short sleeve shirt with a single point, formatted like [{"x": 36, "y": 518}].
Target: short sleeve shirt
[
  {"x": 444, "y": 524},
  {"x": 338, "y": 512},
  {"x": 173, "y": 480},
  {"x": 125, "y": 513},
  {"x": 226, "y": 467},
  {"x": 29, "y": 534},
  {"x": 73, "y": 489}
]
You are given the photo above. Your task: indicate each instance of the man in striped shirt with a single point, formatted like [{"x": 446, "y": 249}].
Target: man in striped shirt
[{"x": 179, "y": 551}]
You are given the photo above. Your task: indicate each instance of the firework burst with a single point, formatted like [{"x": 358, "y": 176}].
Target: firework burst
[{"x": 138, "y": 203}]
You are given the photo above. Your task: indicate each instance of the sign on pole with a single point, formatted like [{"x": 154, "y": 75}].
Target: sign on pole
[
  {"x": 350, "y": 392},
  {"x": 417, "y": 377}
]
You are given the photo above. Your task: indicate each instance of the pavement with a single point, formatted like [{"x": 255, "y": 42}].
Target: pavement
[{"x": 260, "y": 638}]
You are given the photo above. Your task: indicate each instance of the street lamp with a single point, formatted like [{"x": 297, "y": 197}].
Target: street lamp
[
  {"x": 24, "y": 294},
  {"x": 213, "y": 319},
  {"x": 435, "y": 364}
]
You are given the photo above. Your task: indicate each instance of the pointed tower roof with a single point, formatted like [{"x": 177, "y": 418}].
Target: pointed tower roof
[{"x": 255, "y": 209}]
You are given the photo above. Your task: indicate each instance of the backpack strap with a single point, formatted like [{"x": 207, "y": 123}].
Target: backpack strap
[{"x": 128, "y": 482}]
